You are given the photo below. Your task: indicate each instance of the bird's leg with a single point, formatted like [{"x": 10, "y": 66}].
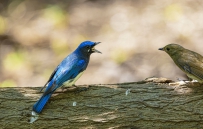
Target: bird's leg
[
  {"x": 189, "y": 82},
  {"x": 183, "y": 82},
  {"x": 62, "y": 87},
  {"x": 81, "y": 89},
  {"x": 74, "y": 86},
  {"x": 186, "y": 81}
]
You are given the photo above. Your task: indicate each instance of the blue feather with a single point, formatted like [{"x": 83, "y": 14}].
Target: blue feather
[
  {"x": 67, "y": 71},
  {"x": 39, "y": 105}
]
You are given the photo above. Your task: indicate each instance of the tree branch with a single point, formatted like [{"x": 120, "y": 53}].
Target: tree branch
[{"x": 144, "y": 104}]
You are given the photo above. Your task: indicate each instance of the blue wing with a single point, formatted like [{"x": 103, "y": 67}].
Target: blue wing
[
  {"x": 50, "y": 78},
  {"x": 67, "y": 70}
]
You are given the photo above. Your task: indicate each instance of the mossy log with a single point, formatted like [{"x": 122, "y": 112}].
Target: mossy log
[{"x": 136, "y": 105}]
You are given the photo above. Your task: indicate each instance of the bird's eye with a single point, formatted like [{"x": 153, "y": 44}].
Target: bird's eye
[
  {"x": 168, "y": 49},
  {"x": 88, "y": 47}
]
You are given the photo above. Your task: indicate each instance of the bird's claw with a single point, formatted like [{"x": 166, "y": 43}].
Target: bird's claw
[{"x": 81, "y": 89}]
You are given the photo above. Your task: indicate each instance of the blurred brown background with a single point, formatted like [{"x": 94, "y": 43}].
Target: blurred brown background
[{"x": 35, "y": 35}]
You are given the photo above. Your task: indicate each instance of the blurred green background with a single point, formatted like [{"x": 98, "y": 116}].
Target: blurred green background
[{"x": 35, "y": 36}]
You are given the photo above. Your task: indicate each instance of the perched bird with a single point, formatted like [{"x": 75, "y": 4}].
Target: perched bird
[
  {"x": 188, "y": 61},
  {"x": 67, "y": 72}
]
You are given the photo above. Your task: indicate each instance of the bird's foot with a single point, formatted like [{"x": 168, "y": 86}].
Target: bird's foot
[
  {"x": 74, "y": 86},
  {"x": 81, "y": 89},
  {"x": 188, "y": 82},
  {"x": 63, "y": 88},
  {"x": 70, "y": 88},
  {"x": 180, "y": 82},
  {"x": 185, "y": 81}
]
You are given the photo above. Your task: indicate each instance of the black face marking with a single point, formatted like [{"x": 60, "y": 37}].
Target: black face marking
[{"x": 88, "y": 47}]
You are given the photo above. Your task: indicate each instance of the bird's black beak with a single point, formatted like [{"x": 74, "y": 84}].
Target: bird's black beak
[
  {"x": 96, "y": 43},
  {"x": 95, "y": 50},
  {"x": 162, "y": 49}
]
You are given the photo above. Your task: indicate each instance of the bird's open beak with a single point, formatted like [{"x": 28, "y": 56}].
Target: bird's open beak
[
  {"x": 95, "y": 50},
  {"x": 162, "y": 49}
]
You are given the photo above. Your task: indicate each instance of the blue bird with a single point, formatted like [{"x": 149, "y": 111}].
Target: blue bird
[{"x": 67, "y": 72}]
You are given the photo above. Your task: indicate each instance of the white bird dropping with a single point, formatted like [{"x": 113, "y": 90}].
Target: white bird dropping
[
  {"x": 127, "y": 92},
  {"x": 34, "y": 117},
  {"x": 74, "y": 103}
]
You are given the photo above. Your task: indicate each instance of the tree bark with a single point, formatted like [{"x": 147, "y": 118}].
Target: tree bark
[{"x": 136, "y": 105}]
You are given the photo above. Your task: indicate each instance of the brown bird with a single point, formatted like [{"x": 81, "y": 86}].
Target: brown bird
[{"x": 188, "y": 61}]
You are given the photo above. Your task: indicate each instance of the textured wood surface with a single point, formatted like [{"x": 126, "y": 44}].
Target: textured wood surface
[{"x": 133, "y": 105}]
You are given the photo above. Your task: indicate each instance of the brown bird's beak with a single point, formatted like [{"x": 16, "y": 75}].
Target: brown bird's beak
[
  {"x": 95, "y": 50},
  {"x": 162, "y": 49}
]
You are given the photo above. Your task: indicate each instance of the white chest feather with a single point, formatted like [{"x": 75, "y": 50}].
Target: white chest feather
[{"x": 71, "y": 82}]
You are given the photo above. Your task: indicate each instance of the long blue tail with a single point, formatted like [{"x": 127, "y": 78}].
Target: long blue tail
[{"x": 39, "y": 105}]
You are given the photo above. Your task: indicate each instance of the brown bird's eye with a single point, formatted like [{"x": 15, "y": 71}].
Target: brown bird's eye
[{"x": 168, "y": 49}]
